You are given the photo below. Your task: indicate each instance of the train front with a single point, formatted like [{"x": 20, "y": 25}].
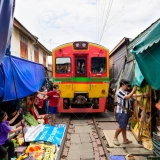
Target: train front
[{"x": 81, "y": 70}]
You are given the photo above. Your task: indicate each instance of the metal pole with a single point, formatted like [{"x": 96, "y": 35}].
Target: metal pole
[{"x": 16, "y": 93}]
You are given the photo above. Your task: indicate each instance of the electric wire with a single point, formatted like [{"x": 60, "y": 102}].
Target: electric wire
[
  {"x": 97, "y": 21},
  {"x": 103, "y": 13},
  {"x": 106, "y": 19},
  {"x": 98, "y": 18}
]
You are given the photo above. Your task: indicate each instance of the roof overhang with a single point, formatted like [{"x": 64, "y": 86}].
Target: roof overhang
[{"x": 19, "y": 26}]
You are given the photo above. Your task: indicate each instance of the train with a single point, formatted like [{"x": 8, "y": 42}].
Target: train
[{"x": 81, "y": 69}]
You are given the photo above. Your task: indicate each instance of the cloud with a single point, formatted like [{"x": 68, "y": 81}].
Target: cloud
[{"x": 60, "y": 21}]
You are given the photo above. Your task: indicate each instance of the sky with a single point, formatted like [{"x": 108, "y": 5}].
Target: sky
[{"x": 56, "y": 22}]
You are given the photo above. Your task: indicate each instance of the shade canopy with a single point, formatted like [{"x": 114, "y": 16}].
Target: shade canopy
[
  {"x": 27, "y": 78},
  {"x": 147, "y": 55}
]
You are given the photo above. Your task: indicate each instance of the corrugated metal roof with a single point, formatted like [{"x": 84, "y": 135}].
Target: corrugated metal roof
[{"x": 123, "y": 41}]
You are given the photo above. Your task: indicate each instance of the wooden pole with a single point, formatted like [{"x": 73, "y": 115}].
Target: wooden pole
[
  {"x": 143, "y": 123},
  {"x": 136, "y": 106}
]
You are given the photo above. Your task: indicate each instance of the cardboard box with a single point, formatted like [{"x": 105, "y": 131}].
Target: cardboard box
[{"x": 20, "y": 150}]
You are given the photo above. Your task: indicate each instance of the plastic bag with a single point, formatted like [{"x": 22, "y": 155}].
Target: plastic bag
[{"x": 30, "y": 119}]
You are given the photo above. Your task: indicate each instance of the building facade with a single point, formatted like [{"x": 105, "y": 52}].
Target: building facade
[{"x": 25, "y": 45}]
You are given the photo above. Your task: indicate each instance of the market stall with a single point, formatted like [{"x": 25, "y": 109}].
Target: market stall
[
  {"x": 146, "y": 53},
  {"x": 39, "y": 140}
]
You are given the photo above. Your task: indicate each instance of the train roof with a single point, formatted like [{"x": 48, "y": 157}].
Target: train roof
[{"x": 65, "y": 44}]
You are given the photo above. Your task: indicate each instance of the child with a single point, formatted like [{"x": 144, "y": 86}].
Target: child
[
  {"x": 4, "y": 130},
  {"x": 53, "y": 102}
]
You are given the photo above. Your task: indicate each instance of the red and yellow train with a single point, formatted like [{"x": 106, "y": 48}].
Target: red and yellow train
[{"x": 82, "y": 71}]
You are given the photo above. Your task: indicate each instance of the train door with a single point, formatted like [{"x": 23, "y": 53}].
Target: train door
[
  {"x": 98, "y": 74},
  {"x": 80, "y": 66}
]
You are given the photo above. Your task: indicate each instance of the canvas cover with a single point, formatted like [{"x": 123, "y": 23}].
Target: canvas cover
[
  {"x": 6, "y": 23},
  {"x": 147, "y": 55},
  {"x": 28, "y": 78}
]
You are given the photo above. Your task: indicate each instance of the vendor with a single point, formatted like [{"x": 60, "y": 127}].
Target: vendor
[
  {"x": 12, "y": 113},
  {"x": 4, "y": 130},
  {"x": 39, "y": 104}
]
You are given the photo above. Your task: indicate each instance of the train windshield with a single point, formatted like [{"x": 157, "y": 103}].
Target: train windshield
[
  {"x": 81, "y": 65},
  {"x": 98, "y": 65},
  {"x": 63, "y": 65}
]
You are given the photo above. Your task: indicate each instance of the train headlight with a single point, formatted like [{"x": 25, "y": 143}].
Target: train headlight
[
  {"x": 84, "y": 45},
  {"x": 103, "y": 91},
  {"x": 77, "y": 44},
  {"x": 80, "y": 45}
]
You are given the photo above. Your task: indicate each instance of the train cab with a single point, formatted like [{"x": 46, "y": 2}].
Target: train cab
[{"x": 82, "y": 71}]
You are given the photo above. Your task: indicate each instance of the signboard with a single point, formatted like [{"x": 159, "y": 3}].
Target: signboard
[{"x": 47, "y": 133}]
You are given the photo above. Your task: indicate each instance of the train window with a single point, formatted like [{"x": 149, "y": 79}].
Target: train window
[
  {"x": 81, "y": 65},
  {"x": 98, "y": 64},
  {"x": 63, "y": 65}
]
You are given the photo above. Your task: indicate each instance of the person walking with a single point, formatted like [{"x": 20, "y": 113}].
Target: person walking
[{"x": 123, "y": 104}]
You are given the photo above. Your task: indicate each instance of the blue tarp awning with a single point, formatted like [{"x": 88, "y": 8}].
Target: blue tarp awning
[
  {"x": 28, "y": 78},
  {"x": 6, "y": 23}
]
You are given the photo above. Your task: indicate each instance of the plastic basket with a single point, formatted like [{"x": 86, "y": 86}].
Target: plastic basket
[
  {"x": 156, "y": 145},
  {"x": 156, "y": 137}
]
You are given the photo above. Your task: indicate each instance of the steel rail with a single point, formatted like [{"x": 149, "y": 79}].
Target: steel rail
[
  {"x": 102, "y": 142},
  {"x": 63, "y": 141}
]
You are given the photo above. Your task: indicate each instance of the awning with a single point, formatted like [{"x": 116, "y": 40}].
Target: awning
[
  {"x": 147, "y": 55},
  {"x": 151, "y": 38},
  {"x": 138, "y": 76},
  {"x": 6, "y": 23},
  {"x": 28, "y": 78}
]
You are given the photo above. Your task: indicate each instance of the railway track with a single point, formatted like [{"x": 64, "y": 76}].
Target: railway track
[
  {"x": 90, "y": 137},
  {"x": 82, "y": 140}
]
